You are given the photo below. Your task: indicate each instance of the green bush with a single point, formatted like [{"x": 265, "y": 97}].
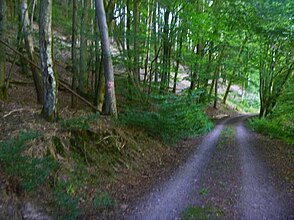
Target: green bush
[
  {"x": 33, "y": 172},
  {"x": 280, "y": 124},
  {"x": 276, "y": 127},
  {"x": 174, "y": 119}
]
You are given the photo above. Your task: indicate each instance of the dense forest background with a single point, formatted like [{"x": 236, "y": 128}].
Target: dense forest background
[
  {"x": 154, "y": 65},
  {"x": 239, "y": 52}
]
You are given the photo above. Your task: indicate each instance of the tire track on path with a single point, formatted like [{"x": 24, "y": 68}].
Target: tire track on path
[
  {"x": 169, "y": 199},
  {"x": 240, "y": 180},
  {"x": 260, "y": 199}
]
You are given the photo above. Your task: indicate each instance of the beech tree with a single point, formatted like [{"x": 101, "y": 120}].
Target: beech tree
[
  {"x": 110, "y": 99},
  {"x": 29, "y": 44},
  {"x": 49, "y": 110}
]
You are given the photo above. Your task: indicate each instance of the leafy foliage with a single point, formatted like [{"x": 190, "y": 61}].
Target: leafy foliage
[
  {"x": 175, "y": 118},
  {"x": 280, "y": 123},
  {"x": 33, "y": 172}
]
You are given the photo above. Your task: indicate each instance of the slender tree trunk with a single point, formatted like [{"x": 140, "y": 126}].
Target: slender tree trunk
[
  {"x": 110, "y": 99},
  {"x": 217, "y": 71},
  {"x": 227, "y": 91},
  {"x": 136, "y": 52},
  {"x": 32, "y": 15},
  {"x": 3, "y": 92},
  {"x": 29, "y": 43},
  {"x": 49, "y": 110},
  {"x": 165, "y": 71},
  {"x": 157, "y": 42},
  {"x": 179, "y": 54},
  {"x": 149, "y": 31},
  {"x": 234, "y": 72},
  {"x": 21, "y": 49},
  {"x": 74, "y": 52},
  {"x": 100, "y": 78},
  {"x": 82, "y": 85},
  {"x": 100, "y": 90}
]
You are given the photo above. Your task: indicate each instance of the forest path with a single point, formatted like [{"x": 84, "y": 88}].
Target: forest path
[{"x": 226, "y": 175}]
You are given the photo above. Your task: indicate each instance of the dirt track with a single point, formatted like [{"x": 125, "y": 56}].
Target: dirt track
[{"x": 230, "y": 170}]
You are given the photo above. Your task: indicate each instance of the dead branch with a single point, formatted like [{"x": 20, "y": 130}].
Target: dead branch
[
  {"x": 13, "y": 111},
  {"x": 63, "y": 84}
]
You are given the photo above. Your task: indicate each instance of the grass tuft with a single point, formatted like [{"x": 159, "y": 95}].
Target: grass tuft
[
  {"x": 202, "y": 213},
  {"x": 32, "y": 172}
]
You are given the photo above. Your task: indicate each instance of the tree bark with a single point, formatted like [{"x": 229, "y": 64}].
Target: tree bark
[
  {"x": 166, "y": 53},
  {"x": 110, "y": 99},
  {"x": 82, "y": 85},
  {"x": 49, "y": 110},
  {"x": 179, "y": 54},
  {"x": 3, "y": 92},
  {"x": 136, "y": 69},
  {"x": 74, "y": 52},
  {"x": 29, "y": 44},
  {"x": 227, "y": 91}
]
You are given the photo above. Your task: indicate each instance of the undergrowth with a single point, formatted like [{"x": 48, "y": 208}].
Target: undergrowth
[
  {"x": 280, "y": 123},
  {"x": 171, "y": 118},
  {"x": 276, "y": 128},
  {"x": 33, "y": 172}
]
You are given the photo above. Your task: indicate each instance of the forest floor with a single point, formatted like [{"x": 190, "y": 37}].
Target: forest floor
[{"x": 231, "y": 173}]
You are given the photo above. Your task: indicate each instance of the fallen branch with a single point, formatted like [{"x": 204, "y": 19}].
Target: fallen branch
[
  {"x": 15, "y": 110},
  {"x": 63, "y": 84}
]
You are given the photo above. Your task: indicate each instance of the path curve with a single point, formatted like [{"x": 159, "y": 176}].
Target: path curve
[
  {"x": 167, "y": 200},
  {"x": 256, "y": 195}
]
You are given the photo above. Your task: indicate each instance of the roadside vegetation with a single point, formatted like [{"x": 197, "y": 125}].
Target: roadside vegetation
[{"x": 279, "y": 124}]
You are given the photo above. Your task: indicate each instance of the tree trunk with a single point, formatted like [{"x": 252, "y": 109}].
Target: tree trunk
[
  {"x": 29, "y": 44},
  {"x": 110, "y": 99},
  {"x": 3, "y": 92},
  {"x": 216, "y": 87},
  {"x": 82, "y": 85},
  {"x": 136, "y": 53},
  {"x": 227, "y": 91},
  {"x": 179, "y": 54},
  {"x": 74, "y": 52},
  {"x": 32, "y": 15},
  {"x": 49, "y": 110},
  {"x": 165, "y": 58}
]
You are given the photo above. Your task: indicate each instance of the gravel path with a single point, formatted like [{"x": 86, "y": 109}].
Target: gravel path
[
  {"x": 226, "y": 171},
  {"x": 260, "y": 196}
]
